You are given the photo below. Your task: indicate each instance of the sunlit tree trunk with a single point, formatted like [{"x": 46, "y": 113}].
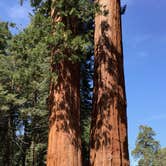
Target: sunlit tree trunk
[
  {"x": 109, "y": 143},
  {"x": 64, "y": 144}
]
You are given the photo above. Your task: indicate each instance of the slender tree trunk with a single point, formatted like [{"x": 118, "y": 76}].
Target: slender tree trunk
[
  {"x": 109, "y": 143},
  {"x": 7, "y": 158},
  {"x": 64, "y": 144},
  {"x": 9, "y": 137},
  {"x": 26, "y": 144}
]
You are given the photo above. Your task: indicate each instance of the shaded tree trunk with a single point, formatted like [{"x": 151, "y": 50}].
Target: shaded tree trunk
[
  {"x": 109, "y": 143},
  {"x": 9, "y": 138},
  {"x": 64, "y": 144},
  {"x": 25, "y": 144},
  {"x": 7, "y": 158}
]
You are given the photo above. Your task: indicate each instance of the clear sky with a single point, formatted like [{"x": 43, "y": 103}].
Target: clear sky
[
  {"x": 144, "y": 42},
  {"x": 144, "y": 38},
  {"x": 10, "y": 10}
]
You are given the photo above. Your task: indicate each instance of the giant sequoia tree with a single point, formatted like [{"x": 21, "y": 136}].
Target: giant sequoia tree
[
  {"x": 71, "y": 43},
  {"x": 109, "y": 145}
]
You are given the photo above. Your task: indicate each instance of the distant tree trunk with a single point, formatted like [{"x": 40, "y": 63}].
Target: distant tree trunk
[
  {"x": 64, "y": 144},
  {"x": 26, "y": 143},
  {"x": 7, "y": 158},
  {"x": 109, "y": 143},
  {"x": 8, "y": 137}
]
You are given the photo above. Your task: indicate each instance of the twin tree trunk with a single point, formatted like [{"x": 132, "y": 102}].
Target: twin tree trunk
[{"x": 109, "y": 144}]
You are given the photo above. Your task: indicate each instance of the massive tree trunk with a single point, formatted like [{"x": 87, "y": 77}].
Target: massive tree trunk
[
  {"x": 64, "y": 144},
  {"x": 109, "y": 143}
]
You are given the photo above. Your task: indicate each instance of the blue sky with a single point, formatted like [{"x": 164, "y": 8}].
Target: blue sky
[
  {"x": 144, "y": 42},
  {"x": 10, "y": 10}
]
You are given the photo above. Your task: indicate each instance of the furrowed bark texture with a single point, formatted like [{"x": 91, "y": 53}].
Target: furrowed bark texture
[
  {"x": 109, "y": 143},
  {"x": 64, "y": 144}
]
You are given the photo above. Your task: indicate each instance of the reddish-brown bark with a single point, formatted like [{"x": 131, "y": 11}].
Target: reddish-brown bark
[
  {"x": 109, "y": 144},
  {"x": 64, "y": 144}
]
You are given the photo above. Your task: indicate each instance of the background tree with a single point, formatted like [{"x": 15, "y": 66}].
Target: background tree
[
  {"x": 86, "y": 94},
  {"x": 8, "y": 102},
  {"x": 146, "y": 146},
  {"x": 24, "y": 81},
  {"x": 147, "y": 150}
]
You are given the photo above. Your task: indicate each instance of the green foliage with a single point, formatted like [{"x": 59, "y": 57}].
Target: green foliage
[
  {"x": 160, "y": 158},
  {"x": 24, "y": 86},
  {"x": 71, "y": 34},
  {"x": 5, "y": 36}
]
